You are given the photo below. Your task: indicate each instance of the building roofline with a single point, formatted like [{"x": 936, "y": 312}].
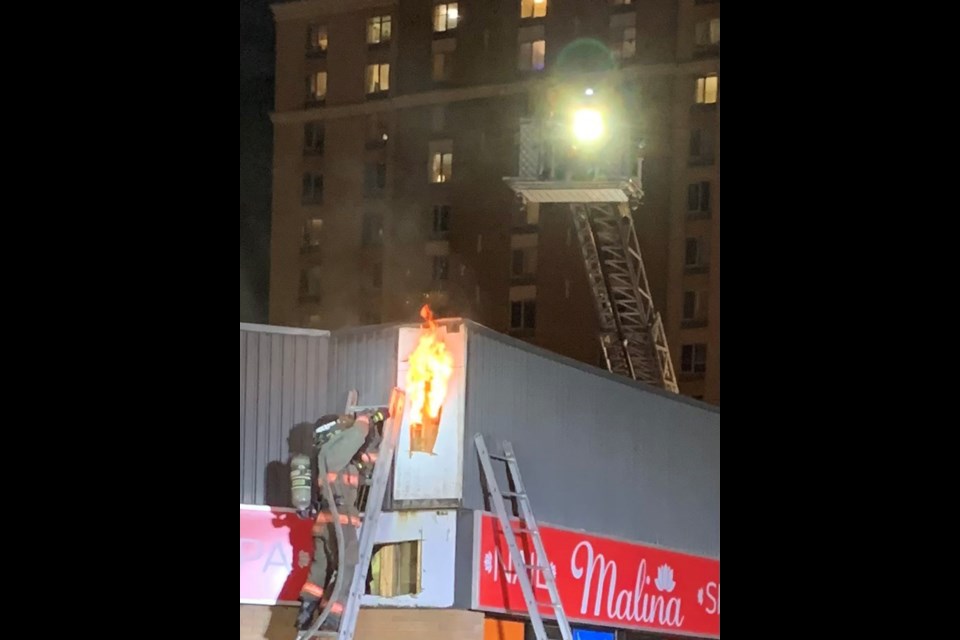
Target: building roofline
[
  {"x": 479, "y": 329},
  {"x": 289, "y": 331},
  {"x": 297, "y": 9},
  {"x": 586, "y": 368}
]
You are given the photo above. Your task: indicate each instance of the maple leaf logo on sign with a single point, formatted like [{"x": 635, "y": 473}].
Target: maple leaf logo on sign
[
  {"x": 664, "y": 579},
  {"x": 488, "y": 562},
  {"x": 303, "y": 559},
  {"x": 700, "y": 596}
]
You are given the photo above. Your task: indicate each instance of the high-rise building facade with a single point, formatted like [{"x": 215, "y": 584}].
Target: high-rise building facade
[{"x": 396, "y": 122}]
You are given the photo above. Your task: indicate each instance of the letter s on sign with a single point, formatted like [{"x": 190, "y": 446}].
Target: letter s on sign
[{"x": 713, "y": 594}]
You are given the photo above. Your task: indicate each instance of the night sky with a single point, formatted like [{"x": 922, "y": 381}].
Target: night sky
[{"x": 256, "y": 142}]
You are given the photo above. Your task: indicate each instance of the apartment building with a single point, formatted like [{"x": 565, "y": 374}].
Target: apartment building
[{"x": 396, "y": 122}]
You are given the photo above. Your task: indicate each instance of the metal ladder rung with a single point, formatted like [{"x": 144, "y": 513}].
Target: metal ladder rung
[
  {"x": 494, "y": 456},
  {"x": 538, "y": 567},
  {"x": 497, "y": 499}
]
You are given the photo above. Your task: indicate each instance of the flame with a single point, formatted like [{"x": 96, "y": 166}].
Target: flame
[{"x": 431, "y": 367}]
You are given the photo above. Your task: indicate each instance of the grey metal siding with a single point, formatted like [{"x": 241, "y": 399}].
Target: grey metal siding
[
  {"x": 283, "y": 390},
  {"x": 363, "y": 359},
  {"x": 596, "y": 454}
]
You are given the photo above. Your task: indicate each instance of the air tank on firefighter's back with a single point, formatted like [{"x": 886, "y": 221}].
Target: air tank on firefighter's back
[{"x": 300, "y": 487}]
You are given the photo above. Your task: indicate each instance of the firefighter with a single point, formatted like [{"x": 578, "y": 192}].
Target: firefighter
[{"x": 344, "y": 447}]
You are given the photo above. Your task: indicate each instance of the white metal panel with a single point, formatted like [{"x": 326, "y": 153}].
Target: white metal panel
[{"x": 434, "y": 475}]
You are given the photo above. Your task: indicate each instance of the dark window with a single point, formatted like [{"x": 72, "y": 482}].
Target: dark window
[
  {"x": 693, "y": 358},
  {"x": 441, "y": 219},
  {"x": 698, "y": 197},
  {"x": 689, "y": 305},
  {"x": 441, "y": 268},
  {"x": 372, "y": 233},
  {"x": 695, "y": 140},
  {"x": 523, "y": 314},
  {"x": 313, "y": 137},
  {"x": 312, "y": 188},
  {"x": 374, "y": 179},
  {"x": 691, "y": 256}
]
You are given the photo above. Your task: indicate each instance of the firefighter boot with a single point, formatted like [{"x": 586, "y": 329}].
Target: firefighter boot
[{"x": 305, "y": 616}]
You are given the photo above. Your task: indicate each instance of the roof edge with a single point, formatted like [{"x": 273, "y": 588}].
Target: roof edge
[{"x": 289, "y": 331}]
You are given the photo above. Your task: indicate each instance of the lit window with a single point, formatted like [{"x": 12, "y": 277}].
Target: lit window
[
  {"x": 378, "y": 78},
  {"x": 533, "y": 8},
  {"x": 378, "y": 30},
  {"x": 312, "y": 192},
  {"x": 618, "y": 3},
  {"x": 312, "y": 230},
  {"x": 627, "y": 44},
  {"x": 395, "y": 569},
  {"x": 317, "y": 86},
  {"x": 623, "y": 35},
  {"x": 532, "y": 55},
  {"x": 707, "y": 32},
  {"x": 443, "y": 51},
  {"x": 441, "y": 161},
  {"x": 532, "y": 48},
  {"x": 707, "y": 89},
  {"x": 317, "y": 38},
  {"x": 693, "y": 358},
  {"x": 446, "y": 17}
]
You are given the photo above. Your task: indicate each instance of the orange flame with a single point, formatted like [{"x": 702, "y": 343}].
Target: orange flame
[{"x": 431, "y": 367}]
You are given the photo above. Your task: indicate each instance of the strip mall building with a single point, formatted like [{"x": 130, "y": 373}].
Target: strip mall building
[{"x": 624, "y": 481}]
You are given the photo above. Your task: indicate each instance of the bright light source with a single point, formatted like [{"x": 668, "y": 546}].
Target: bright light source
[
  {"x": 385, "y": 137},
  {"x": 589, "y": 92},
  {"x": 539, "y": 1},
  {"x": 453, "y": 13},
  {"x": 587, "y": 125}
]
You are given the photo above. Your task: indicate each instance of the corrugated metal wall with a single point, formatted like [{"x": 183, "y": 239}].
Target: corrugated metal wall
[
  {"x": 596, "y": 453},
  {"x": 283, "y": 391},
  {"x": 364, "y": 359}
]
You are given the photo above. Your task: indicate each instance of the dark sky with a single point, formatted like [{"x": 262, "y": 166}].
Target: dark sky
[{"x": 256, "y": 101}]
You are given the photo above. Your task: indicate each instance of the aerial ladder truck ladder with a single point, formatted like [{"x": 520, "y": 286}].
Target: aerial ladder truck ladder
[{"x": 632, "y": 336}]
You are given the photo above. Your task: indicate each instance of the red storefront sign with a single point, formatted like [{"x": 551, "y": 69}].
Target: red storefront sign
[
  {"x": 601, "y": 581},
  {"x": 276, "y": 548}
]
